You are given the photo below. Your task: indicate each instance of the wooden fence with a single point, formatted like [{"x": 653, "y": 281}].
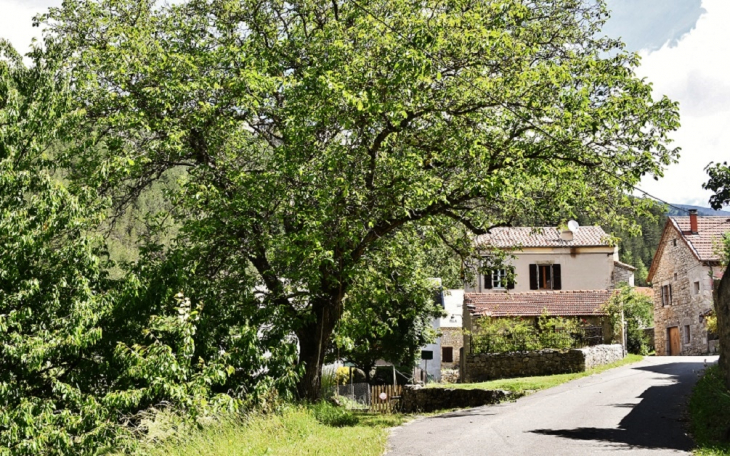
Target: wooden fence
[{"x": 385, "y": 398}]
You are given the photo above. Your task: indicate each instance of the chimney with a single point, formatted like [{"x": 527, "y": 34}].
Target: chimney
[
  {"x": 566, "y": 235},
  {"x": 693, "y": 221}
]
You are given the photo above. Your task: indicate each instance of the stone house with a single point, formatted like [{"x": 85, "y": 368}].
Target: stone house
[
  {"x": 682, "y": 273},
  {"x": 568, "y": 273}
]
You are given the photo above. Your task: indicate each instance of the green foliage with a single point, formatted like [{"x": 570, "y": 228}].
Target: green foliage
[
  {"x": 502, "y": 335},
  {"x": 315, "y": 132},
  {"x": 709, "y": 408},
  {"x": 389, "y": 308},
  {"x": 330, "y": 415},
  {"x": 711, "y": 323},
  {"x": 638, "y": 313},
  {"x": 719, "y": 182},
  {"x": 81, "y": 355}
]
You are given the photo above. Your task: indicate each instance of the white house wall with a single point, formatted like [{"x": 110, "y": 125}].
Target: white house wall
[{"x": 582, "y": 268}]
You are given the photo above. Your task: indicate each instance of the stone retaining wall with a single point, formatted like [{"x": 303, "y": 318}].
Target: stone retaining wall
[
  {"x": 416, "y": 399},
  {"x": 489, "y": 366}
]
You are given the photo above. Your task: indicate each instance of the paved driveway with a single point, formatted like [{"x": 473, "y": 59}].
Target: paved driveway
[{"x": 636, "y": 409}]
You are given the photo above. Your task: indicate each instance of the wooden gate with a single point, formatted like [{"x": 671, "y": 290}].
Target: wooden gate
[
  {"x": 385, "y": 398},
  {"x": 673, "y": 336}
]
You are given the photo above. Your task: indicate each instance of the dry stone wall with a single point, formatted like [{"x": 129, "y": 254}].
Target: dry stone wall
[
  {"x": 490, "y": 366},
  {"x": 419, "y": 399}
]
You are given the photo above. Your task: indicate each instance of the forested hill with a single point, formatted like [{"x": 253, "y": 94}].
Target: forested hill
[{"x": 681, "y": 209}]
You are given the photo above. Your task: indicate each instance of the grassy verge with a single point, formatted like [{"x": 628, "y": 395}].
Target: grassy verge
[
  {"x": 296, "y": 430},
  {"x": 526, "y": 385},
  {"x": 709, "y": 409}
]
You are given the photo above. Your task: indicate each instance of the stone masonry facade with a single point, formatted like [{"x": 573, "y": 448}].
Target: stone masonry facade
[
  {"x": 453, "y": 338},
  {"x": 490, "y": 366},
  {"x": 691, "y": 297}
]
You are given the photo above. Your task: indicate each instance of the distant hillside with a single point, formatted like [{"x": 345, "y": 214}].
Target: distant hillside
[{"x": 700, "y": 210}]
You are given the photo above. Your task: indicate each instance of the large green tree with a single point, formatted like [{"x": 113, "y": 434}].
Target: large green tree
[{"x": 314, "y": 133}]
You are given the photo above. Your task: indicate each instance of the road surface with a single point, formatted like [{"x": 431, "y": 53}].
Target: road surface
[{"x": 637, "y": 409}]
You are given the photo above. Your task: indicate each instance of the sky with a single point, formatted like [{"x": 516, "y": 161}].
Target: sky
[{"x": 685, "y": 51}]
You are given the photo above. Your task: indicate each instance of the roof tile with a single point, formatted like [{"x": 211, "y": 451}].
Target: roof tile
[
  {"x": 548, "y": 236},
  {"x": 710, "y": 230},
  {"x": 562, "y": 303}
]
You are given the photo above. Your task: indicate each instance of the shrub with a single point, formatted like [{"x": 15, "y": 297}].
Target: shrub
[
  {"x": 638, "y": 313},
  {"x": 331, "y": 415},
  {"x": 501, "y": 335}
]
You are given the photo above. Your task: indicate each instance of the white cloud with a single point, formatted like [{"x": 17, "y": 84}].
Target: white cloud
[
  {"x": 695, "y": 73},
  {"x": 16, "y": 21}
]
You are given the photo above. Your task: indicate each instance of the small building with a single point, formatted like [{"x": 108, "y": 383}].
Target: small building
[
  {"x": 562, "y": 272},
  {"x": 685, "y": 264}
]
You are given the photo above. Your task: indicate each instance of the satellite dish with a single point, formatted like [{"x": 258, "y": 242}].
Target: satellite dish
[{"x": 573, "y": 226}]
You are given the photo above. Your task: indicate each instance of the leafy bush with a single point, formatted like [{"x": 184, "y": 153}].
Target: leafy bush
[
  {"x": 502, "y": 335},
  {"x": 82, "y": 356},
  {"x": 331, "y": 415},
  {"x": 638, "y": 313}
]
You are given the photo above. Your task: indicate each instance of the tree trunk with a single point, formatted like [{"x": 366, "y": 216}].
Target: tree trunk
[
  {"x": 313, "y": 341},
  {"x": 722, "y": 310}
]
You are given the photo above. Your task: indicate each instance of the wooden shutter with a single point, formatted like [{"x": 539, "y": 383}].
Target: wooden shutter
[
  {"x": 533, "y": 277},
  {"x": 447, "y": 354},
  {"x": 664, "y": 301},
  {"x": 557, "y": 281},
  {"x": 488, "y": 281},
  {"x": 670, "y": 294},
  {"x": 511, "y": 280}
]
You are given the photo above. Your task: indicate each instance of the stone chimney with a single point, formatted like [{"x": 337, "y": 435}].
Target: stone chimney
[
  {"x": 693, "y": 221},
  {"x": 566, "y": 235}
]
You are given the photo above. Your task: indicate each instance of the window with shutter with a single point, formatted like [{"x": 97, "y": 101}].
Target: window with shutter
[
  {"x": 533, "y": 277},
  {"x": 557, "y": 279},
  {"x": 488, "y": 281}
]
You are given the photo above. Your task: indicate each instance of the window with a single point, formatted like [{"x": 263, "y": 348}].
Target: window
[
  {"x": 686, "y": 334},
  {"x": 447, "y": 354},
  {"x": 674, "y": 242},
  {"x": 666, "y": 295},
  {"x": 499, "y": 279},
  {"x": 545, "y": 277},
  {"x": 675, "y": 276},
  {"x": 696, "y": 287}
]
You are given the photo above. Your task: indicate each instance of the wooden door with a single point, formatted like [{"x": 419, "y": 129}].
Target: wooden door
[{"x": 674, "y": 347}]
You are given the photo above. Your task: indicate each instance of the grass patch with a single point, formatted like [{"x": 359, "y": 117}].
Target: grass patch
[
  {"x": 709, "y": 409},
  {"x": 525, "y": 385},
  {"x": 319, "y": 429}
]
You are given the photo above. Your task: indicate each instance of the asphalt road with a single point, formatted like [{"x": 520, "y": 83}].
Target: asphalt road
[{"x": 637, "y": 409}]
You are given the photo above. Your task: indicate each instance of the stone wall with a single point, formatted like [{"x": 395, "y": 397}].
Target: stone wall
[
  {"x": 677, "y": 266},
  {"x": 419, "y": 399},
  {"x": 622, "y": 274},
  {"x": 489, "y": 366},
  {"x": 600, "y": 355}
]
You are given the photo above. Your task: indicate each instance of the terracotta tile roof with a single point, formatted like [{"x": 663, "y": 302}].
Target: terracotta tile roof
[
  {"x": 710, "y": 229},
  {"x": 548, "y": 236},
  {"x": 647, "y": 291},
  {"x": 533, "y": 303}
]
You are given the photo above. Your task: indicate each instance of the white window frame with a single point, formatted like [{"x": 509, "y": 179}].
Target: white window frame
[{"x": 499, "y": 279}]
